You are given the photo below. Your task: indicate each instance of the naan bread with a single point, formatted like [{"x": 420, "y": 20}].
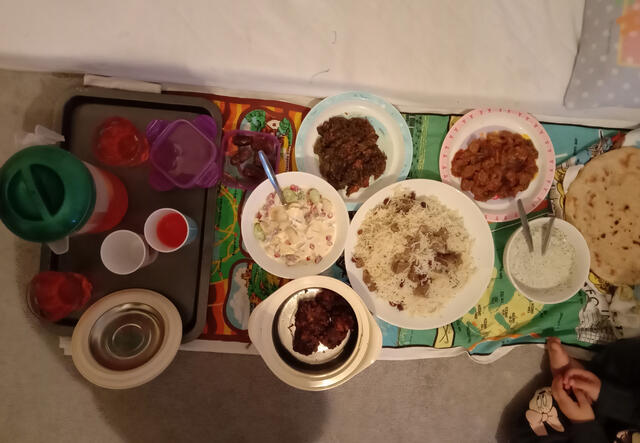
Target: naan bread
[{"x": 604, "y": 204}]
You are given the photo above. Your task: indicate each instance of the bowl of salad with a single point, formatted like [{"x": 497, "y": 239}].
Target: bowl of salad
[{"x": 304, "y": 235}]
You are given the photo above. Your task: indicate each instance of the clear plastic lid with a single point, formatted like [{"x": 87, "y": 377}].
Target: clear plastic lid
[{"x": 184, "y": 154}]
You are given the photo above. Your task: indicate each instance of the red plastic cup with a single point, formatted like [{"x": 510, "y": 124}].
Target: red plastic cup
[
  {"x": 54, "y": 295},
  {"x": 167, "y": 230},
  {"x": 119, "y": 143}
]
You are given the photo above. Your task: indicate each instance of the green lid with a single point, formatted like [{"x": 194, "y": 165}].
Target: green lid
[{"x": 46, "y": 193}]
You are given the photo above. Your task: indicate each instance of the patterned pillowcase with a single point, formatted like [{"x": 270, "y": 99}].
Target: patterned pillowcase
[{"x": 607, "y": 67}]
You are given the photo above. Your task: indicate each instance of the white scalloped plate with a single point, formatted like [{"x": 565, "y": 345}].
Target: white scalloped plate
[{"x": 478, "y": 123}]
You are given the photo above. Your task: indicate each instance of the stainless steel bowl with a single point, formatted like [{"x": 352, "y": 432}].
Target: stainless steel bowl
[
  {"x": 323, "y": 360},
  {"x": 126, "y": 336}
]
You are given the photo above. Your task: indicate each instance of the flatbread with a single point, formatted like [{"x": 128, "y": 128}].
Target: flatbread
[{"x": 604, "y": 204}]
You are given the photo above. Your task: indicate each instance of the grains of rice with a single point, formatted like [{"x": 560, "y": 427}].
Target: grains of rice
[{"x": 404, "y": 226}]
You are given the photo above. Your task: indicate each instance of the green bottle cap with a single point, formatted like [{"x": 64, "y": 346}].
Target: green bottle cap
[{"x": 46, "y": 193}]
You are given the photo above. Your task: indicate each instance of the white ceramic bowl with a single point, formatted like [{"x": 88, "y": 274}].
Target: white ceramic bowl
[
  {"x": 258, "y": 197},
  {"x": 581, "y": 266}
]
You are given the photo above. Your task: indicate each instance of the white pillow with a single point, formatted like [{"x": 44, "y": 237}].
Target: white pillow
[{"x": 607, "y": 67}]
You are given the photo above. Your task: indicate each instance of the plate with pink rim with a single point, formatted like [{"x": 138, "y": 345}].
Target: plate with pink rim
[{"x": 480, "y": 122}]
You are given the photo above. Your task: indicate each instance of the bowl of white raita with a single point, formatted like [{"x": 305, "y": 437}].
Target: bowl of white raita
[{"x": 555, "y": 276}]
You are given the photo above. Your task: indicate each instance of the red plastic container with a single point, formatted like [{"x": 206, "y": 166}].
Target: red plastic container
[
  {"x": 54, "y": 295},
  {"x": 119, "y": 143}
]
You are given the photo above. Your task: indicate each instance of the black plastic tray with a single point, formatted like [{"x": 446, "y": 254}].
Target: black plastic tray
[{"x": 182, "y": 276}]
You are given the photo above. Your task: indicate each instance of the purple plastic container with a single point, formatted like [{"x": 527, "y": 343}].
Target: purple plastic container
[
  {"x": 184, "y": 154},
  {"x": 242, "y": 167}
]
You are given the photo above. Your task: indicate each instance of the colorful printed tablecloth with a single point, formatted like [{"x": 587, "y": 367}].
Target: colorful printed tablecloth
[{"x": 501, "y": 317}]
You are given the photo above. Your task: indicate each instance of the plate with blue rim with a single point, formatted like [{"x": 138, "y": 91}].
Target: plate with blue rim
[{"x": 394, "y": 139}]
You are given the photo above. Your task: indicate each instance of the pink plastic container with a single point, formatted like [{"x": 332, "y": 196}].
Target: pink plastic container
[
  {"x": 184, "y": 154},
  {"x": 242, "y": 167}
]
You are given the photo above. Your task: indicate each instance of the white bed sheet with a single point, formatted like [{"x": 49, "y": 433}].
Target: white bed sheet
[{"x": 445, "y": 56}]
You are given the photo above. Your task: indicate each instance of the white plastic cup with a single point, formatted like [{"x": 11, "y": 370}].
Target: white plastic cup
[
  {"x": 151, "y": 230},
  {"x": 124, "y": 252}
]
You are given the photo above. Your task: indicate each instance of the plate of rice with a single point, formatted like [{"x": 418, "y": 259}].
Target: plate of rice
[{"x": 420, "y": 253}]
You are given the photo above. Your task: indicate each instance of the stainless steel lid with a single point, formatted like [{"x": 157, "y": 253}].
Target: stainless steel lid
[
  {"x": 126, "y": 336},
  {"x": 323, "y": 359}
]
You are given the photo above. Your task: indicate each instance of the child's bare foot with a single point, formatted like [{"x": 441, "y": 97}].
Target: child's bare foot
[{"x": 559, "y": 360}]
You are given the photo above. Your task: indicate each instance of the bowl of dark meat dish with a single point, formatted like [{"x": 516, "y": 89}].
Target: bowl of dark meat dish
[
  {"x": 315, "y": 333},
  {"x": 357, "y": 142}
]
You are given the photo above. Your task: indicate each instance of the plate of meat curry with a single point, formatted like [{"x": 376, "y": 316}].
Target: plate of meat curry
[
  {"x": 495, "y": 155},
  {"x": 356, "y": 141}
]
